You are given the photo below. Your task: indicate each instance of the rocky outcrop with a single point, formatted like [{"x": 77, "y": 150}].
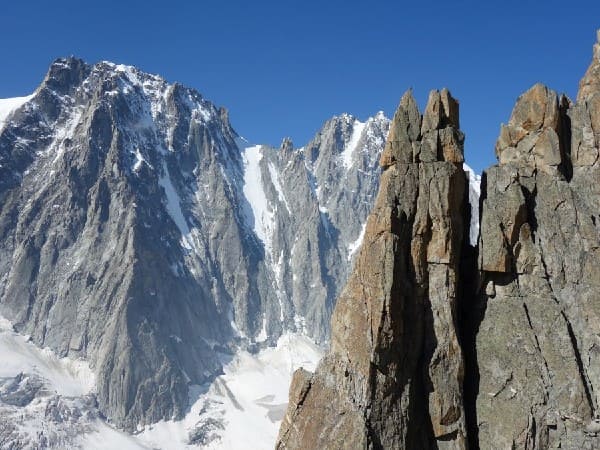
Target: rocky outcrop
[
  {"x": 393, "y": 376},
  {"x": 538, "y": 342},
  {"x": 523, "y": 307}
]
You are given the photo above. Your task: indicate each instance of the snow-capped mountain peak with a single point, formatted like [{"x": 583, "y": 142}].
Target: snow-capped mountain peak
[{"x": 140, "y": 233}]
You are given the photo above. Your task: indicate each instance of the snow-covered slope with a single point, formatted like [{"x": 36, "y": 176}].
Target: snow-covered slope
[
  {"x": 9, "y": 105},
  {"x": 45, "y": 401},
  {"x": 242, "y": 408},
  {"x": 64, "y": 376},
  {"x": 262, "y": 213},
  {"x": 49, "y": 401}
]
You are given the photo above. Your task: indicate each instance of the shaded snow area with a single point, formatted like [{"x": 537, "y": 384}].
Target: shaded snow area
[
  {"x": 351, "y": 146},
  {"x": 254, "y": 192},
  {"x": 174, "y": 208},
  {"x": 8, "y": 105},
  {"x": 474, "y": 193},
  {"x": 63, "y": 376},
  {"x": 104, "y": 437},
  {"x": 243, "y": 408}
]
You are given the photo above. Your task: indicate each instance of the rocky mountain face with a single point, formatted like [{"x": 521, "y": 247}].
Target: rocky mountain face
[
  {"x": 437, "y": 344},
  {"x": 299, "y": 201},
  {"x": 138, "y": 231}
]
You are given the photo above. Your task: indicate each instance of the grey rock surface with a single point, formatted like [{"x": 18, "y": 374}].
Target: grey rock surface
[
  {"x": 318, "y": 199},
  {"x": 393, "y": 377},
  {"x": 537, "y": 344}
]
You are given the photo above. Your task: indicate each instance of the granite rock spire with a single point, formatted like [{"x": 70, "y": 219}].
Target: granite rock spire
[{"x": 393, "y": 376}]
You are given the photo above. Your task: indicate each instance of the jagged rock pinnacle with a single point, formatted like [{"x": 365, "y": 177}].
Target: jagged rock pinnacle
[
  {"x": 393, "y": 376},
  {"x": 539, "y": 375}
]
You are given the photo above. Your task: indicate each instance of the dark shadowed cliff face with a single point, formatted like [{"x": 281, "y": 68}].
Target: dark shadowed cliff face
[
  {"x": 393, "y": 377},
  {"x": 138, "y": 231},
  {"x": 528, "y": 296}
]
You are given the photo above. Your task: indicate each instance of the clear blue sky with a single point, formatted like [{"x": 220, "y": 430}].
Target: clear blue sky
[{"x": 283, "y": 67}]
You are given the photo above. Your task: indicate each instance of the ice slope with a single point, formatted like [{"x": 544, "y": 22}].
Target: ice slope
[{"x": 255, "y": 194}]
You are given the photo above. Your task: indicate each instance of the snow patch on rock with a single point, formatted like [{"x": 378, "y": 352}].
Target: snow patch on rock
[
  {"x": 174, "y": 208},
  {"x": 474, "y": 193},
  {"x": 354, "y": 246},
  {"x": 351, "y": 146},
  {"x": 255, "y": 194},
  {"x": 277, "y": 185}
]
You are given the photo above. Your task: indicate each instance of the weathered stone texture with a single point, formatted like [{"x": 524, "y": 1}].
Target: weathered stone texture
[
  {"x": 393, "y": 377},
  {"x": 538, "y": 346}
]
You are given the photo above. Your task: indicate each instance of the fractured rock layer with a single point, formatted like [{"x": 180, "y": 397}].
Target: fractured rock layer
[
  {"x": 393, "y": 377},
  {"x": 538, "y": 346}
]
